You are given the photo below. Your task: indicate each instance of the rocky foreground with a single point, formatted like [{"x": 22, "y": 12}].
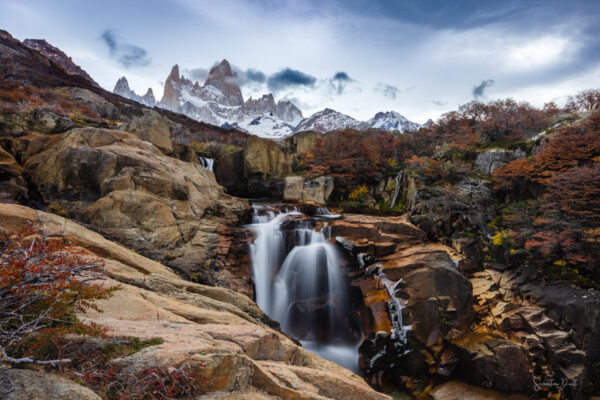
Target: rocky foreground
[{"x": 242, "y": 357}]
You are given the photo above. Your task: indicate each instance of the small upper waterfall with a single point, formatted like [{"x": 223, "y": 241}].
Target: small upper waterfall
[
  {"x": 299, "y": 283},
  {"x": 207, "y": 163}
]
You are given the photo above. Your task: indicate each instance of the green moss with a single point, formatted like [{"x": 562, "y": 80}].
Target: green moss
[
  {"x": 58, "y": 209},
  {"x": 558, "y": 273},
  {"x": 134, "y": 345}
]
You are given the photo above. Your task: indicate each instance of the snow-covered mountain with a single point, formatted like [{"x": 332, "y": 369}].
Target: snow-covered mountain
[
  {"x": 329, "y": 120},
  {"x": 219, "y": 101},
  {"x": 122, "y": 89},
  {"x": 392, "y": 121}
]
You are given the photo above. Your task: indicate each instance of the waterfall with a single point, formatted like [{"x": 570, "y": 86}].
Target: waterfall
[
  {"x": 207, "y": 163},
  {"x": 325, "y": 213},
  {"x": 298, "y": 282},
  {"x": 396, "y": 190}
]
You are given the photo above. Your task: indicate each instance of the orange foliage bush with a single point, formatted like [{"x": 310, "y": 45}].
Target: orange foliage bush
[
  {"x": 44, "y": 283},
  {"x": 352, "y": 157}
]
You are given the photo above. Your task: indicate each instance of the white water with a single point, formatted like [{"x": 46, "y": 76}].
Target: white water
[
  {"x": 207, "y": 163},
  {"x": 304, "y": 289},
  {"x": 325, "y": 213}
]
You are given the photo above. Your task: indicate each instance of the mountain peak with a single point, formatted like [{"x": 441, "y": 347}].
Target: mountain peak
[
  {"x": 221, "y": 77},
  {"x": 174, "y": 73},
  {"x": 121, "y": 86},
  {"x": 392, "y": 121},
  {"x": 221, "y": 71}
]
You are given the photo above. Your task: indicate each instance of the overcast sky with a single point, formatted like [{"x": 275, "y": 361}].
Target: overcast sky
[{"x": 420, "y": 58}]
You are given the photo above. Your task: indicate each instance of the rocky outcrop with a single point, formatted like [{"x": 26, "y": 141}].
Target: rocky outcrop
[
  {"x": 492, "y": 362},
  {"x": 315, "y": 191},
  {"x": 218, "y": 329},
  {"x": 128, "y": 189},
  {"x": 490, "y": 160},
  {"x": 151, "y": 127},
  {"x": 59, "y": 57},
  {"x": 410, "y": 287},
  {"x": 554, "y": 325},
  {"x": 95, "y": 102},
  {"x": 12, "y": 184},
  {"x": 266, "y": 159},
  {"x": 21, "y": 384}
]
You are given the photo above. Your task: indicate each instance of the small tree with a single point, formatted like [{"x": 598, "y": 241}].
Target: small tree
[
  {"x": 44, "y": 283},
  {"x": 584, "y": 100}
]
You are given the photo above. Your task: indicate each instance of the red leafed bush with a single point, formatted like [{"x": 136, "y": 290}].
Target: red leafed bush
[
  {"x": 577, "y": 192},
  {"x": 154, "y": 383},
  {"x": 351, "y": 157},
  {"x": 44, "y": 283},
  {"x": 570, "y": 148}
]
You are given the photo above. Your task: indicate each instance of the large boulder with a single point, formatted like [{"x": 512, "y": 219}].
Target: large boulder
[
  {"x": 151, "y": 127},
  {"x": 128, "y": 189},
  {"x": 21, "y": 384},
  {"x": 293, "y": 187},
  {"x": 317, "y": 190},
  {"x": 93, "y": 101}
]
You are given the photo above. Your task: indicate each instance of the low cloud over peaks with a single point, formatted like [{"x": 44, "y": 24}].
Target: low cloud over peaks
[
  {"x": 339, "y": 81},
  {"x": 128, "y": 55},
  {"x": 289, "y": 78},
  {"x": 389, "y": 91},
  {"x": 479, "y": 90}
]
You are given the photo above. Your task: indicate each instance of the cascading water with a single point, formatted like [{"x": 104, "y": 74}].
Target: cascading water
[
  {"x": 207, "y": 163},
  {"x": 299, "y": 283}
]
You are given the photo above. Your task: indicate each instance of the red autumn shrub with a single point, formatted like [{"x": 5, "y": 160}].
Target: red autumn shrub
[
  {"x": 44, "y": 283},
  {"x": 351, "y": 157},
  {"x": 152, "y": 383}
]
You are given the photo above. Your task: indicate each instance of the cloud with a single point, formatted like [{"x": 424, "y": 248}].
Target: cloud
[
  {"x": 197, "y": 74},
  {"x": 478, "y": 91},
  {"x": 128, "y": 55},
  {"x": 439, "y": 102},
  {"x": 248, "y": 77},
  {"x": 289, "y": 78},
  {"x": 339, "y": 81},
  {"x": 388, "y": 91}
]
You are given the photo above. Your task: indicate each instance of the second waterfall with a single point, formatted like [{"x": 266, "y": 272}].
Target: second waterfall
[{"x": 299, "y": 283}]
